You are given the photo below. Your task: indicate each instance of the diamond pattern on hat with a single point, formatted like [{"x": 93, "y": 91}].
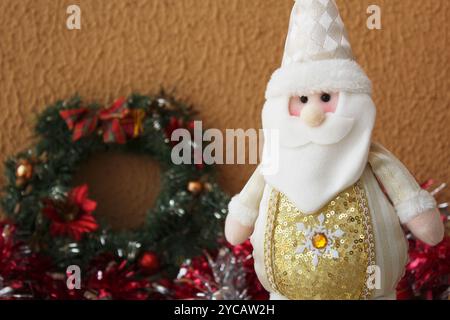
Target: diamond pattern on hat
[
  {"x": 330, "y": 44},
  {"x": 317, "y": 32},
  {"x": 318, "y": 35},
  {"x": 326, "y": 20},
  {"x": 332, "y": 10}
]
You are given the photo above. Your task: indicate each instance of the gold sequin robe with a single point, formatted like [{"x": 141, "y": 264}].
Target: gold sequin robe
[{"x": 332, "y": 253}]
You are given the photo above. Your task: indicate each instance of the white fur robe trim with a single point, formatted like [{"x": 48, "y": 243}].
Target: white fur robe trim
[
  {"x": 411, "y": 208},
  {"x": 242, "y": 213},
  {"x": 245, "y": 206}
]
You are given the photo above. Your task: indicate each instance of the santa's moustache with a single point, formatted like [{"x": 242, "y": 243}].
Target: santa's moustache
[{"x": 295, "y": 133}]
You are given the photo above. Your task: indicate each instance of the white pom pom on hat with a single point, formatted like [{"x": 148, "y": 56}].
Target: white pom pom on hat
[{"x": 318, "y": 55}]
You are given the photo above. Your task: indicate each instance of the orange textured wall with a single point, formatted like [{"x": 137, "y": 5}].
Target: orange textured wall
[{"x": 218, "y": 55}]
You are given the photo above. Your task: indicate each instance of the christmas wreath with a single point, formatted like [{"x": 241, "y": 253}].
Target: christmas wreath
[{"x": 54, "y": 219}]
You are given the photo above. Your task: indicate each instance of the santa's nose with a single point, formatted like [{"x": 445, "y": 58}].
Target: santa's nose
[{"x": 313, "y": 115}]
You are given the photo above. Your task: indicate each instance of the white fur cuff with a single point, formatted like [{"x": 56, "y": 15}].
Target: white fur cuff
[
  {"x": 242, "y": 213},
  {"x": 409, "y": 209},
  {"x": 318, "y": 76}
]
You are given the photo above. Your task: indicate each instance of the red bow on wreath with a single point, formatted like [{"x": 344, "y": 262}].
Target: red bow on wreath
[
  {"x": 81, "y": 121},
  {"x": 117, "y": 122}
]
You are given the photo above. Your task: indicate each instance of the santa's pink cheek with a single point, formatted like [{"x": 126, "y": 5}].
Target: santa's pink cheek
[
  {"x": 295, "y": 108},
  {"x": 330, "y": 106}
]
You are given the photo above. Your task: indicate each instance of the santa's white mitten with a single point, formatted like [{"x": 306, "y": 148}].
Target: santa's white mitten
[
  {"x": 235, "y": 232},
  {"x": 243, "y": 210},
  {"x": 427, "y": 227},
  {"x": 240, "y": 221}
]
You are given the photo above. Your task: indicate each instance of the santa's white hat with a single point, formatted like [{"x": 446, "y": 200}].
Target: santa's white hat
[{"x": 318, "y": 56}]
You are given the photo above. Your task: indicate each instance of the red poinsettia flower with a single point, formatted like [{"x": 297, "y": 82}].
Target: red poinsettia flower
[{"x": 73, "y": 215}]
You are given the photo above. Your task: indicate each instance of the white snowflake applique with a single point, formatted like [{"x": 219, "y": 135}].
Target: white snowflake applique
[{"x": 319, "y": 240}]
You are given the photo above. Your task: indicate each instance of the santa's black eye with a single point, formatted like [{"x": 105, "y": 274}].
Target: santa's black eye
[
  {"x": 304, "y": 99},
  {"x": 325, "y": 97}
]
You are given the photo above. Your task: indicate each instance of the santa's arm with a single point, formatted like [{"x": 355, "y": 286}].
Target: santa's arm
[
  {"x": 415, "y": 207},
  {"x": 243, "y": 210}
]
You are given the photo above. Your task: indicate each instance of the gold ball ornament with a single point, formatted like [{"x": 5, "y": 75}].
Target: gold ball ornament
[
  {"x": 24, "y": 169},
  {"x": 195, "y": 187},
  {"x": 24, "y": 172}
]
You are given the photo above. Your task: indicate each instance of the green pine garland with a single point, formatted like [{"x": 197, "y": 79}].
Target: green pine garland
[{"x": 181, "y": 224}]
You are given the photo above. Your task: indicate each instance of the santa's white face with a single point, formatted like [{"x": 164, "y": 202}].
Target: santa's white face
[
  {"x": 312, "y": 108},
  {"x": 324, "y": 143},
  {"x": 310, "y": 118},
  {"x": 318, "y": 118}
]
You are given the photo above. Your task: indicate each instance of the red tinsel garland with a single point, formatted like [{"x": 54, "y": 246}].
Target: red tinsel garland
[
  {"x": 428, "y": 271},
  {"x": 199, "y": 280},
  {"x": 20, "y": 269}
]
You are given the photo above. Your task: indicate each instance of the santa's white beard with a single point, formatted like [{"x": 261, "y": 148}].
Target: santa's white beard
[{"x": 312, "y": 174}]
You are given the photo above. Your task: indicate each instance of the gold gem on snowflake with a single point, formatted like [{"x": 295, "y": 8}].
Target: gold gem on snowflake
[{"x": 319, "y": 240}]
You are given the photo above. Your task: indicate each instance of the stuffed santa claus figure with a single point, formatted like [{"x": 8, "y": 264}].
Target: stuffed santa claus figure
[{"x": 327, "y": 223}]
